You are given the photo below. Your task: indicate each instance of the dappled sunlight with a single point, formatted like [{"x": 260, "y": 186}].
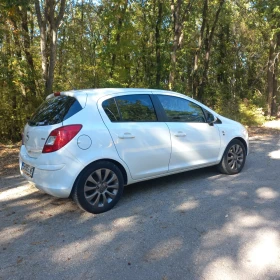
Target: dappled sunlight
[
  {"x": 222, "y": 268},
  {"x": 10, "y": 233},
  {"x": 217, "y": 176},
  {"x": 234, "y": 227},
  {"x": 263, "y": 251},
  {"x": 218, "y": 192},
  {"x": 101, "y": 235},
  {"x": 99, "y": 241},
  {"x": 46, "y": 209},
  {"x": 274, "y": 154},
  {"x": 221, "y": 177},
  {"x": 18, "y": 191},
  {"x": 247, "y": 221},
  {"x": 257, "y": 249},
  {"x": 267, "y": 193},
  {"x": 24, "y": 208},
  {"x": 242, "y": 223},
  {"x": 124, "y": 223},
  {"x": 188, "y": 205},
  {"x": 164, "y": 249},
  {"x": 32, "y": 199}
]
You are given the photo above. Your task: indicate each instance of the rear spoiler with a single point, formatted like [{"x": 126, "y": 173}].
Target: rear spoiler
[
  {"x": 81, "y": 99},
  {"x": 54, "y": 94}
]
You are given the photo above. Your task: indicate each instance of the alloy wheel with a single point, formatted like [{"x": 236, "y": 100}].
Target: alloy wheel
[
  {"x": 235, "y": 157},
  {"x": 101, "y": 187}
]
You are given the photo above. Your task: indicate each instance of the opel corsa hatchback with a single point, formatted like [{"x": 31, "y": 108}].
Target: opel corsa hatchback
[{"x": 88, "y": 144}]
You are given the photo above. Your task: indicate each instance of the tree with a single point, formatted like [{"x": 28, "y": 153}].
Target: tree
[
  {"x": 49, "y": 17},
  {"x": 269, "y": 11},
  {"x": 205, "y": 39},
  {"x": 180, "y": 13},
  {"x": 224, "y": 53}
]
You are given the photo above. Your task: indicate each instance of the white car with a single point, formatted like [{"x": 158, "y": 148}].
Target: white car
[{"x": 88, "y": 144}]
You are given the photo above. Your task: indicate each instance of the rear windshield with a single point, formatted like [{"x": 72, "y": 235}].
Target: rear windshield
[{"x": 55, "y": 110}]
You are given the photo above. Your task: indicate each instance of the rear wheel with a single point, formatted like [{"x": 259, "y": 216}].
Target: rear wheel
[
  {"x": 234, "y": 158},
  {"x": 99, "y": 187}
]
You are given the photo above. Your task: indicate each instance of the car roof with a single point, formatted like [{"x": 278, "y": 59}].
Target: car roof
[
  {"x": 105, "y": 91},
  {"x": 94, "y": 94},
  {"x": 100, "y": 92}
]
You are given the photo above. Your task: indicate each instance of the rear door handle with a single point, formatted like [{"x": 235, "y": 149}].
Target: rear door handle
[
  {"x": 126, "y": 135},
  {"x": 180, "y": 134}
]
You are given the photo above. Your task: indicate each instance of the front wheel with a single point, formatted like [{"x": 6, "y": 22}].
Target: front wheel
[
  {"x": 234, "y": 158},
  {"x": 99, "y": 187}
]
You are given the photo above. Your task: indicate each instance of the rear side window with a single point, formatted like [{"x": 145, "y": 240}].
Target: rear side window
[
  {"x": 130, "y": 108},
  {"x": 181, "y": 110},
  {"x": 55, "y": 110},
  {"x": 110, "y": 108}
]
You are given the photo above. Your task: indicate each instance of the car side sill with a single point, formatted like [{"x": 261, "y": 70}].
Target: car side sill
[{"x": 174, "y": 172}]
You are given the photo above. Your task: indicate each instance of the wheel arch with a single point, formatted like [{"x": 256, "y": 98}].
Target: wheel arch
[
  {"x": 243, "y": 142},
  {"x": 119, "y": 165}
]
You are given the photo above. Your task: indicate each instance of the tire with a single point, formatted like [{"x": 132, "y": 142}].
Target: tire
[
  {"x": 233, "y": 159},
  {"x": 99, "y": 187}
]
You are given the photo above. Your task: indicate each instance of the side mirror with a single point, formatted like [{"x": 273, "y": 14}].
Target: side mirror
[{"x": 211, "y": 119}]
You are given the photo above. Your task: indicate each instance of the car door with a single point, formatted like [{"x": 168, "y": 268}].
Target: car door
[
  {"x": 194, "y": 141},
  {"x": 142, "y": 142}
]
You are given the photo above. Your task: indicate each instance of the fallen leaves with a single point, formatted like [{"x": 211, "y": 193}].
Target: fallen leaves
[{"x": 9, "y": 159}]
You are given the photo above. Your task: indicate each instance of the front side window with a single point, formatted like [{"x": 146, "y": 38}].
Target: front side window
[
  {"x": 181, "y": 110},
  {"x": 209, "y": 116},
  {"x": 130, "y": 108}
]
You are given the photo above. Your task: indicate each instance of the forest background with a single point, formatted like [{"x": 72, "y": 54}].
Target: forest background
[{"x": 224, "y": 53}]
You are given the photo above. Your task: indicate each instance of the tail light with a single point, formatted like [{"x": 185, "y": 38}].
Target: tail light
[
  {"x": 56, "y": 93},
  {"x": 59, "y": 137}
]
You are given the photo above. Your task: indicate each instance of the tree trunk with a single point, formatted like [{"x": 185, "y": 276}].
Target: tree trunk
[
  {"x": 198, "y": 50},
  {"x": 207, "y": 43},
  {"x": 275, "y": 90},
  {"x": 158, "y": 58},
  {"x": 275, "y": 97},
  {"x": 270, "y": 76},
  {"x": 49, "y": 25},
  {"x": 179, "y": 17},
  {"x": 118, "y": 37},
  {"x": 29, "y": 57}
]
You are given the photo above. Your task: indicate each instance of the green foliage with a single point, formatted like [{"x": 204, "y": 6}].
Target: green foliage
[
  {"x": 243, "y": 111},
  {"x": 111, "y": 43},
  {"x": 250, "y": 115}
]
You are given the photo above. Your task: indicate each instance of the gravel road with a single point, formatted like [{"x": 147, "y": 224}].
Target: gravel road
[{"x": 194, "y": 225}]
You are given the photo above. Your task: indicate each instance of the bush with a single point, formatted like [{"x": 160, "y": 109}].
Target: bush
[{"x": 243, "y": 111}]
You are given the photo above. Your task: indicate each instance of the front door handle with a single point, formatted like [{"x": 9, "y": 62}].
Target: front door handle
[
  {"x": 126, "y": 135},
  {"x": 180, "y": 134}
]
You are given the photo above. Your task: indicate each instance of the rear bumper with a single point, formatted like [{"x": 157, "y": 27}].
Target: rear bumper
[{"x": 54, "y": 179}]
